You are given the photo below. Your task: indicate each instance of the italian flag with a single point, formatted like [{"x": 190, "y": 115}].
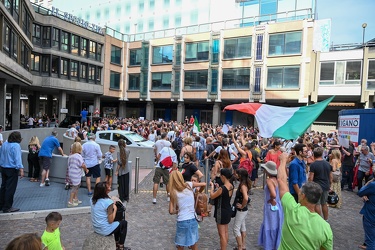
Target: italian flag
[
  {"x": 196, "y": 127},
  {"x": 282, "y": 122}
]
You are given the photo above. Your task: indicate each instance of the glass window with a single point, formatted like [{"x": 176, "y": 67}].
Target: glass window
[
  {"x": 55, "y": 38},
  {"x": 194, "y": 17},
  {"x": 140, "y": 27},
  {"x": 98, "y": 75},
  {"x": 37, "y": 34},
  {"x": 118, "y": 10},
  {"x": 197, "y": 51},
  {"x": 151, "y": 25},
  {"x": 371, "y": 75},
  {"x": 259, "y": 50},
  {"x": 35, "y": 60},
  {"x": 353, "y": 72},
  {"x": 115, "y": 80},
  {"x": 83, "y": 71},
  {"x": 92, "y": 50},
  {"x": 74, "y": 69},
  {"x": 91, "y": 73},
  {"x": 83, "y": 47},
  {"x": 236, "y": 78},
  {"x": 268, "y": 7},
  {"x": 135, "y": 57},
  {"x": 14, "y": 46},
  {"x": 6, "y": 37},
  {"x": 99, "y": 53},
  {"x": 285, "y": 44},
  {"x": 166, "y": 3},
  {"x": 134, "y": 81},
  {"x": 165, "y": 22},
  {"x": 127, "y": 8},
  {"x": 162, "y": 54},
  {"x": 106, "y": 13},
  {"x": 98, "y": 14},
  {"x": 215, "y": 51},
  {"x": 75, "y": 44},
  {"x": 115, "y": 54},
  {"x": 196, "y": 80},
  {"x": 152, "y": 4},
  {"x": 64, "y": 41},
  {"x": 26, "y": 22},
  {"x": 327, "y": 72},
  {"x": 24, "y": 55},
  {"x": 283, "y": 77},
  {"x": 258, "y": 77},
  {"x": 45, "y": 64},
  {"x": 55, "y": 64},
  {"x": 16, "y": 10},
  {"x": 46, "y": 36},
  {"x": 64, "y": 67},
  {"x": 177, "y": 20},
  {"x": 237, "y": 47},
  {"x": 141, "y": 6},
  {"x": 161, "y": 81}
]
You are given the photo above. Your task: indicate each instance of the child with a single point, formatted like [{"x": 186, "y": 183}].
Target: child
[
  {"x": 108, "y": 165},
  {"x": 75, "y": 166},
  {"x": 51, "y": 236}
]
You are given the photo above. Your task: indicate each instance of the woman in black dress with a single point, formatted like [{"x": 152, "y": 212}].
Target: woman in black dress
[{"x": 223, "y": 211}]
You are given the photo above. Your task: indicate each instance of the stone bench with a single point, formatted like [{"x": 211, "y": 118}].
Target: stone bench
[{"x": 99, "y": 242}]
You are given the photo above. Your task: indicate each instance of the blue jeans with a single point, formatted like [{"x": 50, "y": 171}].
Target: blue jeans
[
  {"x": 369, "y": 228},
  {"x": 360, "y": 176}
]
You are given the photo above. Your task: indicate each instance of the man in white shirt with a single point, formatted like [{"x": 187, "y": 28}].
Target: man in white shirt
[
  {"x": 160, "y": 144},
  {"x": 91, "y": 154}
]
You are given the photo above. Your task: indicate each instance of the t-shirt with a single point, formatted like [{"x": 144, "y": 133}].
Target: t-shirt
[
  {"x": 108, "y": 158},
  {"x": 303, "y": 229},
  {"x": 321, "y": 170},
  {"x": 75, "y": 162},
  {"x": 348, "y": 160},
  {"x": 48, "y": 145},
  {"x": 84, "y": 113},
  {"x": 167, "y": 151},
  {"x": 52, "y": 240},
  {"x": 190, "y": 170},
  {"x": 99, "y": 217}
]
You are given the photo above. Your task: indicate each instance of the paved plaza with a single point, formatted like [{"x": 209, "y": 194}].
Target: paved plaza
[{"x": 151, "y": 226}]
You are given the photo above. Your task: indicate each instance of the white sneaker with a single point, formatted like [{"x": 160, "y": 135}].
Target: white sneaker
[
  {"x": 168, "y": 198},
  {"x": 42, "y": 185},
  {"x": 154, "y": 201}
]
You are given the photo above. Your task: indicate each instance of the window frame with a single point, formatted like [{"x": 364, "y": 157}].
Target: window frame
[
  {"x": 238, "y": 53},
  {"x": 116, "y": 53},
  {"x": 284, "y": 45},
  {"x": 195, "y": 80},
  {"x": 75, "y": 44},
  {"x": 197, "y": 58},
  {"x": 283, "y": 85},
  {"x": 165, "y": 59},
  {"x": 134, "y": 85},
  {"x": 65, "y": 41},
  {"x": 236, "y": 78},
  {"x": 137, "y": 54},
  {"x": 163, "y": 86},
  {"x": 113, "y": 75}
]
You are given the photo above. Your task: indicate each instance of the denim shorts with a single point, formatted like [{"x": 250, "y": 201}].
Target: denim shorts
[{"x": 186, "y": 233}]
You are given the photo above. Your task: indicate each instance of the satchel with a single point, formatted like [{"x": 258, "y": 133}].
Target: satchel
[{"x": 234, "y": 209}]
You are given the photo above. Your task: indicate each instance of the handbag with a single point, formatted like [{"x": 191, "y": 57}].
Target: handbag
[
  {"x": 166, "y": 162},
  {"x": 336, "y": 176},
  {"x": 333, "y": 198},
  {"x": 234, "y": 209}
]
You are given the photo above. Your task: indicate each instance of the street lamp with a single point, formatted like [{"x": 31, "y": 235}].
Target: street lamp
[{"x": 364, "y": 25}]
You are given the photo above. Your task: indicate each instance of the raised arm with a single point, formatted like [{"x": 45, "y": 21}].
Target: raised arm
[{"x": 281, "y": 175}]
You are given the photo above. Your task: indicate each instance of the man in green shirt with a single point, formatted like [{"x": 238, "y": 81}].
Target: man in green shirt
[{"x": 303, "y": 228}]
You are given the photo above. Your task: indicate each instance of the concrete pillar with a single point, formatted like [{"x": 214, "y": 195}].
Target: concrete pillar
[
  {"x": 149, "y": 110},
  {"x": 37, "y": 104},
  {"x": 49, "y": 108},
  {"x": 16, "y": 107},
  {"x": 72, "y": 105},
  {"x": 122, "y": 109},
  {"x": 62, "y": 105},
  {"x": 31, "y": 104},
  {"x": 180, "y": 112},
  {"x": 216, "y": 112},
  {"x": 23, "y": 107},
  {"x": 97, "y": 104},
  {"x": 3, "y": 102}
]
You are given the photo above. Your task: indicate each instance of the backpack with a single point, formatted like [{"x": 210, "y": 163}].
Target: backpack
[
  {"x": 247, "y": 164},
  {"x": 201, "y": 204},
  {"x": 179, "y": 143}
]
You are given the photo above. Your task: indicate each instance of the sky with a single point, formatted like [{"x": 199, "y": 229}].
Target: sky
[{"x": 347, "y": 17}]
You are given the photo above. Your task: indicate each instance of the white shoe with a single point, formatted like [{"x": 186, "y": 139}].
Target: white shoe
[
  {"x": 42, "y": 185},
  {"x": 168, "y": 198},
  {"x": 154, "y": 201}
]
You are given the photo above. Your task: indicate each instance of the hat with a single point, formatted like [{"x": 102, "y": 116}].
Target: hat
[{"x": 270, "y": 167}]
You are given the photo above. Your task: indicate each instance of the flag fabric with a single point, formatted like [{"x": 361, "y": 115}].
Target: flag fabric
[
  {"x": 282, "y": 122},
  {"x": 196, "y": 127}
]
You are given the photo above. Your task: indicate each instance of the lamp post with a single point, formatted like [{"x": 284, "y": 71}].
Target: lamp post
[{"x": 364, "y": 25}]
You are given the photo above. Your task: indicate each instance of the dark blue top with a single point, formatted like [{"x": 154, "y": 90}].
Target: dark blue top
[
  {"x": 297, "y": 174},
  {"x": 368, "y": 209},
  {"x": 84, "y": 113},
  {"x": 48, "y": 146}
]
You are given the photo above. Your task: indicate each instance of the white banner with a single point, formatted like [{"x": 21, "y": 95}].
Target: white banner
[{"x": 348, "y": 129}]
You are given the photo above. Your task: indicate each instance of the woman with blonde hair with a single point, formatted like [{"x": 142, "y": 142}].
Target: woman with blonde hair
[
  {"x": 335, "y": 161},
  {"x": 182, "y": 204},
  {"x": 68, "y": 182},
  {"x": 33, "y": 159},
  {"x": 122, "y": 171},
  {"x": 187, "y": 147}
]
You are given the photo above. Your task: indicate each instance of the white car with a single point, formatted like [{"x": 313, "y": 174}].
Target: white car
[{"x": 131, "y": 138}]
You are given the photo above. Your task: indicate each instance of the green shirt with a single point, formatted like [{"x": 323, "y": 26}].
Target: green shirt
[
  {"x": 52, "y": 240},
  {"x": 303, "y": 229}
]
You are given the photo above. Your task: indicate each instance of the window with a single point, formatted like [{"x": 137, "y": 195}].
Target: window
[
  {"x": 92, "y": 51},
  {"x": 197, "y": 51},
  {"x": 237, "y": 47},
  {"x": 45, "y": 64},
  {"x": 259, "y": 50},
  {"x": 177, "y": 20},
  {"x": 55, "y": 38},
  {"x": 106, "y": 13},
  {"x": 24, "y": 55},
  {"x": 161, "y": 81},
  {"x": 285, "y": 44},
  {"x": 55, "y": 65},
  {"x": 141, "y": 6},
  {"x": 75, "y": 44},
  {"x": 26, "y": 22},
  {"x": 127, "y": 8},
  {"x": 35, "y": 60},
  {"x": 115, "y": 80},
  {"x": 46, "y": 37},
  {"x": 283, "y": 77},
  {"x": 99, "y": 53},
  {"x": 83, "y": 71},
  {"x": 64, "y": 67},
  {"x": 74, "y": 69},
  {"x": 258, "y": 77},
  {"x": 98, "y": 75},
  {"x": 196, "y": 79},
  {"x": 152, "y": 4},
  {"x": 151, "y": 25},
  {"x": 194, "y": 17},
  {"x": 236, "y": 78},
  {"x": 16, "y": 10},
  {"x": 327, "y": 72},
  {"x": 134, "y": 81},
  {"x": 166, "y": 3},
  {"x": 83, "y": 47},
  {"x": 14, "y": 46},
  {"x": 91, "y": 73},
  {"x": 371, "y": 75},
  {"x": 162, "y": 54},
  {"x": 165, "y": 22},
  {"x": 340, "y": 72},
  {"x": 98, "y": 14},
  {"x": 215, "y": 51},
  {"x": 135, "y": 57},
  {"x": 115, "y": 55},
  {"x": 139, "y": 27},
  {"x": 6, "y": 37},
  {"x": 37, "y": 34},
  {"x": 353, "y": 72},
  {"x": 64, "y": 41}
]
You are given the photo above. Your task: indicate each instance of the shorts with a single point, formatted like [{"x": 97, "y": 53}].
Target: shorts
[
  {"x": 323, "y": 199},
  {"x": 108, "y": 172},
  {"x": 94, "y": 171},
  {"x": 46, "y": 162},
  {"x": 186, "y": 233},
  {"x": 159, "y": 173}
]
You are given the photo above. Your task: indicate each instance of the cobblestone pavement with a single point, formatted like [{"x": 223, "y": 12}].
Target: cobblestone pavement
[{"x": 151, "y": 227}]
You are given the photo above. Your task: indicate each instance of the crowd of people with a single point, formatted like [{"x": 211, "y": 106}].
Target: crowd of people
[{"x": 300, "y": 173}]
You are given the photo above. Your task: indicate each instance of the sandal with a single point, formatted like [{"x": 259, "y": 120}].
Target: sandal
[
  {"x": 35, "y": 180},
  {"x": 362, "y": 246},
  {"x": 32, "y": 180}
]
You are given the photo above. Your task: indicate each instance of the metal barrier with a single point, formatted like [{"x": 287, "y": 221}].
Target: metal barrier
[
  {"x": 136, "y": 178},
  {"x": 207, "y": 174}
]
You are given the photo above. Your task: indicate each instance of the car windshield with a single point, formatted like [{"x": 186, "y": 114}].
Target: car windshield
[{"x": 136, "y": 137}]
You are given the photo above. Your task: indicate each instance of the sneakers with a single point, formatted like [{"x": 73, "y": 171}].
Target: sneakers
[
  {"x": 77, "y": 202},
  {"x": 67, "y": 186},
  {"x": 47, "y": 182},
  {"x": 169, "y": 197},
  {"x": 42, "y": 185},
  {"x": 72, "y": 204},
  {"x": 154, "y": 201},
  {"x": 89, "y": 193}
]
